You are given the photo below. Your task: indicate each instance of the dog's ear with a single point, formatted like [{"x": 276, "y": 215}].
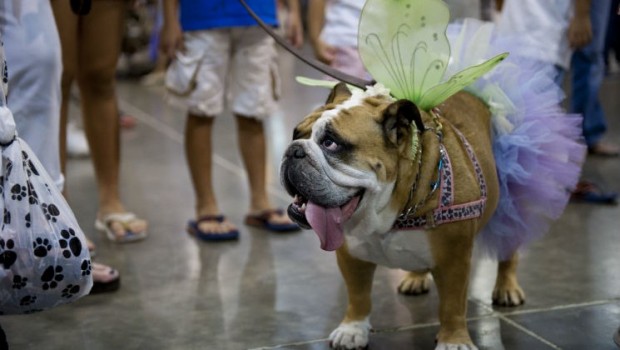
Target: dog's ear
[
  {"x": 340, "y": 92},
  {"x": 397, "y": 119}
]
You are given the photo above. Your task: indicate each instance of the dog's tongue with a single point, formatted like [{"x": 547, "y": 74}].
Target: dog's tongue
[{"x": 327, "y": 222}]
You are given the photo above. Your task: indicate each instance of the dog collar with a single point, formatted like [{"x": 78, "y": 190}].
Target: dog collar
[{"x": 447, "y": 211}]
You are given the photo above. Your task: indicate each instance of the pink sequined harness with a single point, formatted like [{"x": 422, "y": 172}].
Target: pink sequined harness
[{"x": 447, "y": 211}]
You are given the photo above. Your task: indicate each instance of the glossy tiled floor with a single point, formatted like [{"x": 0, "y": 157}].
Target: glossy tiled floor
[{"x": 281, "y": 291}]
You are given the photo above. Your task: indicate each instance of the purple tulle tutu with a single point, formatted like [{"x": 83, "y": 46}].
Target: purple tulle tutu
[{"x": 538, "y": 148}]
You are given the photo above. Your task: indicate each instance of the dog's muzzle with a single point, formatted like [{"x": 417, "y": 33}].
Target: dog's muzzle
[{"x": 318, "y": 203}]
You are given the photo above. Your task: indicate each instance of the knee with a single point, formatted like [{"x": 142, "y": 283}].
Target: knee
[{"x": 97, "y": 82}]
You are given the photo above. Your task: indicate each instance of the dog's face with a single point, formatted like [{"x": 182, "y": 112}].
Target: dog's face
[{"x": 344, "y": 163}]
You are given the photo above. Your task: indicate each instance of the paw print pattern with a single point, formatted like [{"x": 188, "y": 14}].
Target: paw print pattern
[
  {"x": 28, "y": 165},
  {"x": 18, "y": 192},
  {"x": 33, "y": 168},
  {"x": 86, "y": 267},
  {"x": 9, "y": 167},
  {"x": 7, "y": 217},
  {"x": 8, "y": 256},
  {"x": 70, "y": 243},
  {"x": 70, "y": 291},
  {"x": 28, "y": 220},
  {"x": 41, "y": 246},
  {"x": 33, "y": 198},
  {"x": 19, "y": 282},
  {"x": 5, "y": 74},
  {"x": 51, "y": 211},
  {"x": 28, "y": 300},
  {"x": 51, "y": 276}
]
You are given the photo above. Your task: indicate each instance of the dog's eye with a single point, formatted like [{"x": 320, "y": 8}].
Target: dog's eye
[{"x": 329, "y": 144}]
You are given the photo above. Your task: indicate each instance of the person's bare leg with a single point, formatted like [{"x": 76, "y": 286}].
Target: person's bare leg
[
  {"x": 198, "y": 152},
  {"x": 67, "y": 24},
  {"x": 254, "y": 154},
  {"x": 97, "y": 56}
]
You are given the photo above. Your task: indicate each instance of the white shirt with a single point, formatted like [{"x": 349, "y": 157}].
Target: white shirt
[
  {"x": 341, "y": 21},
  {"x": 540, "y": 26}
]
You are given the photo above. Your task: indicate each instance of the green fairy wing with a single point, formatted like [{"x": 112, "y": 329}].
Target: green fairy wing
[
  {"x": 439, "y": 93},
  {"x": 403, "y": 45}
]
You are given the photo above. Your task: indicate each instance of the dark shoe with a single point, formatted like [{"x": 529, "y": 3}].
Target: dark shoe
[
  {"x": 586, "y": 191},
  {"x": 604, "y": 149},
  {"x": 617, "y": 337},
  {"x": 193, "y": 228}
]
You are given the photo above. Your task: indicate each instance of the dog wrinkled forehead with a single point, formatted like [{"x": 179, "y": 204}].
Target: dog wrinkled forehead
[{"x": 341, "y": 105}]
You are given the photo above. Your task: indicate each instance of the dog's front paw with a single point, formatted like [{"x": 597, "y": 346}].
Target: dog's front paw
[
  {"x": 449, "y": 346},
  {"x": 415, "y": 283},
  {"x": 350, "y": 335}
]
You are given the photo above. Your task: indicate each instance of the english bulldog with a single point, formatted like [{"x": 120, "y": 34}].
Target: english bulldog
[{"x": 382, "y": 182}]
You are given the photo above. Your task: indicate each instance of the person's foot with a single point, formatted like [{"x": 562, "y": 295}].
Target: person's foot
[
  {"x": 127, "y": 121},
  {"x": 272, "y": 219},
  {"x": 105, "y": 279},
  {"x": 587, "y": 191},
  {"x": 77, "y": 145},
  {"x": 122, "y": 227},
  {"x": 213, "y": 228},
  {"x": 604, "y": 149}
]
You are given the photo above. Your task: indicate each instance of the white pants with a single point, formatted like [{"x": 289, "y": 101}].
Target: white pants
[{"x": 33, "y": 54}]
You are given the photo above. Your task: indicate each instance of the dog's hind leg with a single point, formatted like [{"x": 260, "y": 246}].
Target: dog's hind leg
[
  {"x": 353, "y": 332},
  {"x": 452, "y": 251},
  {"x": 507, "y": 291},
  {"x": 415, "y": 283}
]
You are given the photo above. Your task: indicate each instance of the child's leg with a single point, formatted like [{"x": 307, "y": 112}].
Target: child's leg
[
  {"x": 251, "y": 137},
  {"x": 198, "y": 151},
  {"x": 67, "y": 23},
  {"x": 207, "y": 53},
  {"x": 254, "y": 85}
]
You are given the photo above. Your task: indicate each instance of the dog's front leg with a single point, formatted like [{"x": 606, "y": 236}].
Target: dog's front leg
[
  {"x": 353, "y": 332},
  {"x": 452, "y": 251},
  {"x": 507, "y": 291}
]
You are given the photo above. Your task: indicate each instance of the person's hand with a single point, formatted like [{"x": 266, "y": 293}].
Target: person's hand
[
  {"x": 579, "y": 32},
  {"x": 294, "y": 29},
  {"x": 171, "y": 39},
  {"x": 324, "y": 52}
]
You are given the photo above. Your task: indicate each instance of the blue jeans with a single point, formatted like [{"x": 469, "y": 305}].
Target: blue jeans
[{"x": 587, "y": 72}]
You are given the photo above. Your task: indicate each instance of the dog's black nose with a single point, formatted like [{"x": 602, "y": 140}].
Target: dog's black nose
[{"x": 296, "y": 151}]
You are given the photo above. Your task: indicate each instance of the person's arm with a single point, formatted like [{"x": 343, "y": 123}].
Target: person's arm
[
  {"x": 580, "y": 27},
  {"x": 316, "y": 21},
  {"x": 294, "y": 28},
  {"x": 171, "y": 35}
]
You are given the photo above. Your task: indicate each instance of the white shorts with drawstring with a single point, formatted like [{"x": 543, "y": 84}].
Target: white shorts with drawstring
[{"x": 233, "y": 67}]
